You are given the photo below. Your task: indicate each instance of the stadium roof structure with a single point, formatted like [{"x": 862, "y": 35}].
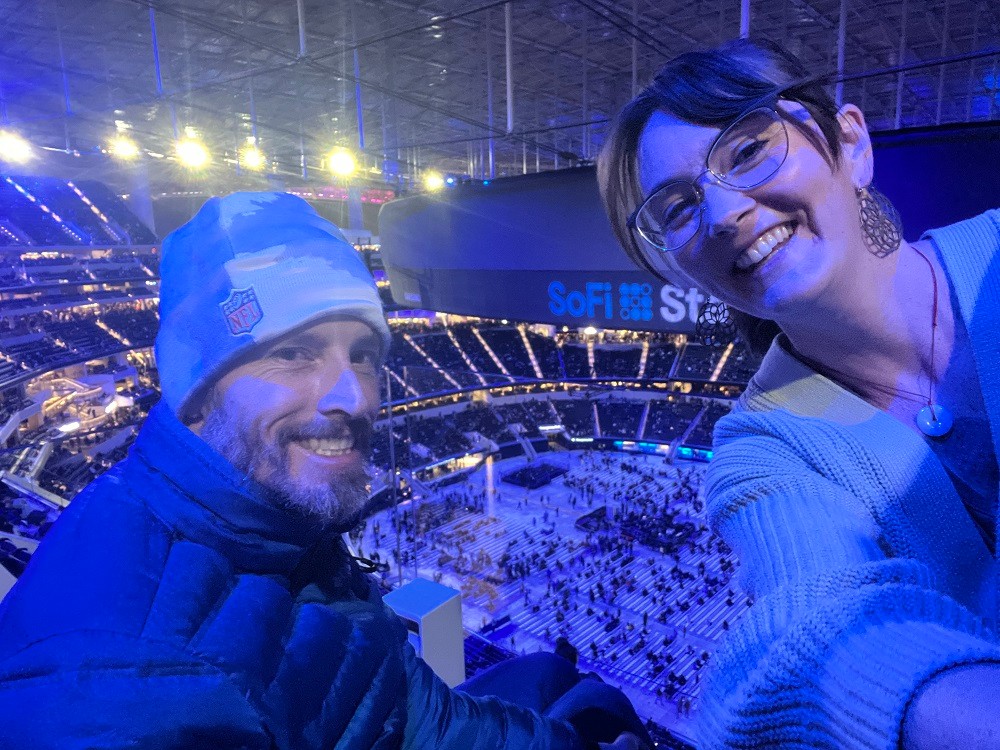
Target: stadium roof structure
[{"x": 428, "y": 80}]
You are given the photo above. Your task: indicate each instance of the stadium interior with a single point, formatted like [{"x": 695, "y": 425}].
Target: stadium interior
[
  {"x": 575, "y": 454},
  {"x": 547, "y": 468}
]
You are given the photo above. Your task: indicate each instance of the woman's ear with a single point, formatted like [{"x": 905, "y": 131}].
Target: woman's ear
[{"x": 855, "y": 146}]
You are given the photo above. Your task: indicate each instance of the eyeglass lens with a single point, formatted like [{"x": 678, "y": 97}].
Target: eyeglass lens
[{"x": 746, "y": 154}]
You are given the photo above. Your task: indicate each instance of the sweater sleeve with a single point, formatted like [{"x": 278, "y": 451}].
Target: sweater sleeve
[
  {"x": 841, "y": 635},
  {"x": 445, "y": 719}
]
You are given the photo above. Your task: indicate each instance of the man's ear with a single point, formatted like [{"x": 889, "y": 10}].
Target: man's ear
[
  {"x": 194, "y": 422},
  {"x": 855, "y": 146},
  {"x": 194, "y": 413}
]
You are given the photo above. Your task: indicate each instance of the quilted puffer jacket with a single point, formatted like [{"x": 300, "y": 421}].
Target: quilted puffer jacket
[{"x": 173, "y": 606}]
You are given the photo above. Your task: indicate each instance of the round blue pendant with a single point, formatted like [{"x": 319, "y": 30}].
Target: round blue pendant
[{"x": 934, "y": 420}]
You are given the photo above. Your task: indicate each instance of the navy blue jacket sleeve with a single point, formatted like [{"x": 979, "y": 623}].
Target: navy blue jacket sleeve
[
  {"x": 99, "y": 702},
  {"x": 438, "y": 717}
]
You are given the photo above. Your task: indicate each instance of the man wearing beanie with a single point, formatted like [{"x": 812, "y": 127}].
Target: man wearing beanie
[{"x": 199, "y": 594}]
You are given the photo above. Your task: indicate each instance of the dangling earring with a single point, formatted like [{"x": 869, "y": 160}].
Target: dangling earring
[
  {"x": 715, "y": 327},
  {"x": 880, "y": 222}
]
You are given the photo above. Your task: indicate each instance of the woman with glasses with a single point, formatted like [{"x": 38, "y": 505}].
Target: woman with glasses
[{"x": 856, "y": 478}]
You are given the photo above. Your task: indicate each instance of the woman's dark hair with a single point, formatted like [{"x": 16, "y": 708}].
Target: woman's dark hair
[{"x": 708, "y": 87}]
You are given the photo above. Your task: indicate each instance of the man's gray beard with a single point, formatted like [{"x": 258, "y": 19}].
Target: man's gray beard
[{"x": 341, "y": 505}]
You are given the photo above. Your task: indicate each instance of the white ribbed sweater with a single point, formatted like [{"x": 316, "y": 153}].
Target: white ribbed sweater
[{"x": 868, "y": 573}]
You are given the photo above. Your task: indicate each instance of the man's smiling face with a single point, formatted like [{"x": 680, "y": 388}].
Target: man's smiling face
[{"x": 298, "y": 418}]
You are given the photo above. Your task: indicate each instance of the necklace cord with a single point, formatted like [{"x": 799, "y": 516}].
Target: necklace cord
[{"x": 934, "y": 322}]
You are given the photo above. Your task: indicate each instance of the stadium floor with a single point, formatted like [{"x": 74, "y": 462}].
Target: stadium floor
[{"x": 651, "y": 615}]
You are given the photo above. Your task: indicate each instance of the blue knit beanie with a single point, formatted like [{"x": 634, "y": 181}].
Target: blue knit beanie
[{"x": 247, "y": 269}]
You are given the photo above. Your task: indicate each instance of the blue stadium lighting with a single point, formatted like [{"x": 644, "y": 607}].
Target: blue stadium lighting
[
  {"x": 449, "y": 180},
  {"x": 486, "y": 182}
]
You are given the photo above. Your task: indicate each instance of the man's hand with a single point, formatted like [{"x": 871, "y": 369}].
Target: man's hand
[{"x": 625, "y": 741}]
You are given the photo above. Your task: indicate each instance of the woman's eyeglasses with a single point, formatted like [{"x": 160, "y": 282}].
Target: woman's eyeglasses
[{"x": 746, "y": 154}]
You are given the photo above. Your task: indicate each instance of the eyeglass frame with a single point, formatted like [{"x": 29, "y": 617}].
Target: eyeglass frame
[{"x": 768, "y": 102}]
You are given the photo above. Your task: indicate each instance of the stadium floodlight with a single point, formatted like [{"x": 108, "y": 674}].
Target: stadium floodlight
[
  {"x": 590, "y": 331},
  {"x": 252, "y": 157},
  {"x": 14, "y": 148},
  {"x": 341, "y": 162},
  {"x": 433, "y": 181},
  {"x": 123, "y": 147},
  {"x": 192, "y": 153}
]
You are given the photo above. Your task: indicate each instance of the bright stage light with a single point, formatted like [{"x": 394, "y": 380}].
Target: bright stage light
[
  {"x": 433, "y": 181},
  {"x": 341, "y": 162},
  {"x": 192, "y": 153},
  {"x": 252, "y": 157},
  {"x": 123, "y": 147},
  {"x": 14, "y": 148}
]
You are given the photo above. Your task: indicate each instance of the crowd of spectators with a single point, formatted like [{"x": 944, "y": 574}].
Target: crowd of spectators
[
  {"x": 534, "y": 475},
  {"x": 576, "y": 362},
  {"x": 416, "y": 373},
  {"x": 9, "y": 369},
  {"x": 60, "y": 197},
  {"x": 12, "y": 401},
  {"x": 437, "y": 435},
  {"x": 660, "y": 361},
  {"x": 136, "y": 322},
  {"x": 620, "y": 417},
  {"x": 642, "y": 589},
  {"x": 528, "y": 414},
  {"x": 26, "y": 221},
  {"x": 483, "y": 420},
  {"x": 577, "y": 416},
  {"x": 616, "y": 361},
  {"x": 547, "y": 355},
  {"x": 669, "y": 418},
  {"x": 70, "y": 469},
  {"x": 114, "y": 207},
  {"x": 701, "y": 435},
  {"x": 443, "y": 352},
  {"x": 61, "y": 213},
  {"x": 28, "y": 269},
  {"x": 697, "y": 362},
  {"x": 56, "y": 327},
  {"x": 509, "y": 348},
  {"x": 465, "y": 334},
  {"x": 424, "y": 439},
  {"x": 58, "y": 337}
]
